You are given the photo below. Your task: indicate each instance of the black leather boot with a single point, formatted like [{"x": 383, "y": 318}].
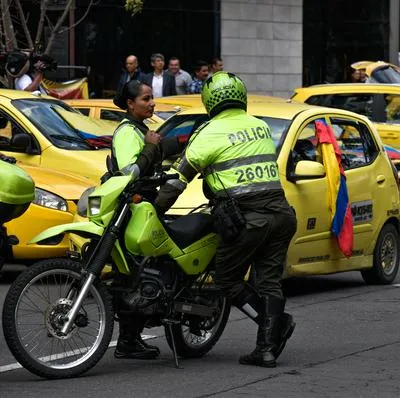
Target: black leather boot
[
  {"x": 130, "y": 344},
  {"x": 275, "y": 327},
  {"x": 148, "y": 346},
  {"x": 287, "y": 326}
]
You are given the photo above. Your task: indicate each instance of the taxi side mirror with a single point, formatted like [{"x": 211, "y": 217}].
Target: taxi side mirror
[
  {"x": 307, "y": 170},
  {"x": 23, "y": 142}
]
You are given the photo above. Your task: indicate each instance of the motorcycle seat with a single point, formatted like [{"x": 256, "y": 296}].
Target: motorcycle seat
[{"x": 188, "y": 229}]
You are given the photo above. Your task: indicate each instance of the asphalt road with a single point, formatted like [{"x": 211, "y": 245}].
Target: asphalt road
[{"x": 346, "y": 344}]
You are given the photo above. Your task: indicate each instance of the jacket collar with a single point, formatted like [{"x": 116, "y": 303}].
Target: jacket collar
[{"x": 138, "y": 123}]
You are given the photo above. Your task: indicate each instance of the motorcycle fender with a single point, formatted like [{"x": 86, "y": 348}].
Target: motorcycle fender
[{"x": 85, "y": 229}]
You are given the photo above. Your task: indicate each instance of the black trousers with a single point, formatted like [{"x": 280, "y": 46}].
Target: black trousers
[{"x": 264, "y": 247}]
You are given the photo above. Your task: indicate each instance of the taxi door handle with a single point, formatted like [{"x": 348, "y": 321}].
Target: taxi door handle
[{"x": 380, "y": 179}]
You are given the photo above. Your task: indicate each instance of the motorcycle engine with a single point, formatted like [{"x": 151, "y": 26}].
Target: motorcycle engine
[{"x": 157, "y": 281}]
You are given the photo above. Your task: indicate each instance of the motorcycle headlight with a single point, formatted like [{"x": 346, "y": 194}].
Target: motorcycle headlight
[
  {"x": 82, "y": 205},
  {"x": 50, "y": 200},
  {"x": 94, "y": 205}
]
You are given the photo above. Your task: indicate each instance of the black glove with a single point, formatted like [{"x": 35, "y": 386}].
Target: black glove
[{"x": 8, "y": 159}]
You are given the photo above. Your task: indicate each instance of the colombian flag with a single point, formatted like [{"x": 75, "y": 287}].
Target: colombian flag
[
  {"x": 342, "y": 221},
  {"x": 72, "y": 89}
]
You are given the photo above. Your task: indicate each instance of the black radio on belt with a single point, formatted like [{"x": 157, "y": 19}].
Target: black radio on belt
[{"x": 228, "y": 220}]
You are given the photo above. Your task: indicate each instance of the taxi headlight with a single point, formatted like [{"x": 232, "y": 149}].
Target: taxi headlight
[
  {"x": 94, "y": 205},
  {"x": 49, "y": 200}
]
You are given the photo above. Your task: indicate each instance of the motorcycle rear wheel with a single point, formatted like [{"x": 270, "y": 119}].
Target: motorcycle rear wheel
[
  {"x": 190, "y": 345},
  {"x": 32, "y": 319}
]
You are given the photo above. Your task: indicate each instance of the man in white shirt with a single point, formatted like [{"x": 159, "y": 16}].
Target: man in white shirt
[
  {"x": 182, "y": 78},
  {"x": 161, "y": 81},
  {"x": 28, "y": 83}
]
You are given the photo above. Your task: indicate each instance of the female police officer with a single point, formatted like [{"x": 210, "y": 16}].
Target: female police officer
[
  {"x": 135, "y": 150},
  {"x": 236, "y": 155}
]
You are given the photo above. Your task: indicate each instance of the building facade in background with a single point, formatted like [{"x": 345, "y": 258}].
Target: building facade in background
[{"x": 274, "y": 45}]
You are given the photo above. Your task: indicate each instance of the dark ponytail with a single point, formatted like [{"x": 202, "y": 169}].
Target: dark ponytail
[{"x": 130, "y": 90}]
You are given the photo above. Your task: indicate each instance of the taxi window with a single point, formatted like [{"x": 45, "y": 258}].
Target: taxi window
[
  {"x": 305, "y": 147},
  {"x": 358, "y": 103},
  {"x": 84, "y": 111},
  {"x": 392, "y": 108},
  {"x": 9, "y": 128},
  {"x": 165, "y": 114},
  {"x": 356, "y": 143},
  {"x": 5, "y": 129},
  {"x": 278, "y": 127},
  {"x": 182, "y": 125},
  {"x": 113, "y": 115}
]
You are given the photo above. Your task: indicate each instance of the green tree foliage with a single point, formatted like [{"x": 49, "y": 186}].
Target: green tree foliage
[{"x": 134, "y": 6}]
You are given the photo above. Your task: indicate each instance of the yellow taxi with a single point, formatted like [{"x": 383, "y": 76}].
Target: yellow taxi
[
  {"x": 371, "y": 181},
  {"x": 56, "y": 196},
  {"x": 379, "y": 102},
  {"x": 44, "y": 131},
  {"x": 106, "y": 110},
  {"x": 182, "y": 102}
]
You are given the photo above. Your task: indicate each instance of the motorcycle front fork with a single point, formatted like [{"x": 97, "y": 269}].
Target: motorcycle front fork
[{"x": 94, "y": 266}]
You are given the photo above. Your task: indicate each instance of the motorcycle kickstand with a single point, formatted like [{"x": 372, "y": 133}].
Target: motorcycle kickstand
[{"x": 170, "y": 322}]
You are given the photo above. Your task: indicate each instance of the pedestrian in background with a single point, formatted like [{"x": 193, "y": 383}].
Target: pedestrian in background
[
  {"x": 355, "y": 76},
  {"x": 217, "y": 64},
  {"x": 26, "y": 77},
  {"x": 200, "y": 76},
  {"x": 130, "y": 72},
  {"x": 182, "y": 78},
  {"x": 162, "y": 83}
]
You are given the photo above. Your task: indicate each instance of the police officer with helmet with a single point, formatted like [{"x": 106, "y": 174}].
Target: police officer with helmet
[{"x": 235, "y": 154}]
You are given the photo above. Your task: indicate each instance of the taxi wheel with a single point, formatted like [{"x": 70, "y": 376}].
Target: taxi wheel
[{"x": 386, "y": 258}]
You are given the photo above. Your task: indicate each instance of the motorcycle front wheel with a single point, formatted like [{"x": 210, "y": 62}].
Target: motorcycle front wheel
[
  {"x": 208, "y": 332},
  {"x": 33, "y": 314}
]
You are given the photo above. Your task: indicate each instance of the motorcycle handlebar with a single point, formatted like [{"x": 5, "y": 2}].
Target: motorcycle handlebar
[
  {"x": 155, "y": 180},
  {"x": 172, "y": 176}
]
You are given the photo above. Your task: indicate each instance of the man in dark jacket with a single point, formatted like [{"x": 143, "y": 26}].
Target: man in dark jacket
[
  {"x": 131, "y": 72},
  {"x": 162, "y": 83}
]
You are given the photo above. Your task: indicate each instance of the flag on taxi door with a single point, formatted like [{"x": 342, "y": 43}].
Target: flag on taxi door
[{"x": 342, "y": 221}]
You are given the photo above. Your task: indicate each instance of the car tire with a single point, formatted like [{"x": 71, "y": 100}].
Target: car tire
[{"x": 386, "y": 258}]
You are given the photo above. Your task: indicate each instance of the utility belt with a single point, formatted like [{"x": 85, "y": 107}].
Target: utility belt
[{"x": 228, "y": 219}]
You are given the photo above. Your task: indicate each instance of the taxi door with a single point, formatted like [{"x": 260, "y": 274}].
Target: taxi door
[
  {"x": 312, "y": 244},
  {"x": 368, "y": 177}
]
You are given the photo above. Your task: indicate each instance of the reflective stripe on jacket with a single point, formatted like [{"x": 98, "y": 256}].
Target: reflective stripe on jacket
[{"x": 235, "y": 153}]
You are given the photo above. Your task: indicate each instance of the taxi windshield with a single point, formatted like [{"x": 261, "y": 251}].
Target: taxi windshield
[
  {"x": 47, "y": 117},
  {"x": 185, "y": 125}
]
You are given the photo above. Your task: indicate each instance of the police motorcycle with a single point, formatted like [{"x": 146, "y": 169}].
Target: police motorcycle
[
  {"x": 17, "y": 191},
  {"x": 58, "y": 315}
]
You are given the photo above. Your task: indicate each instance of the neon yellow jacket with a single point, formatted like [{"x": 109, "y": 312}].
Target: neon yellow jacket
[
  {"x": 130, "y": 153},
  {"x": 234, "y": 152}
]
